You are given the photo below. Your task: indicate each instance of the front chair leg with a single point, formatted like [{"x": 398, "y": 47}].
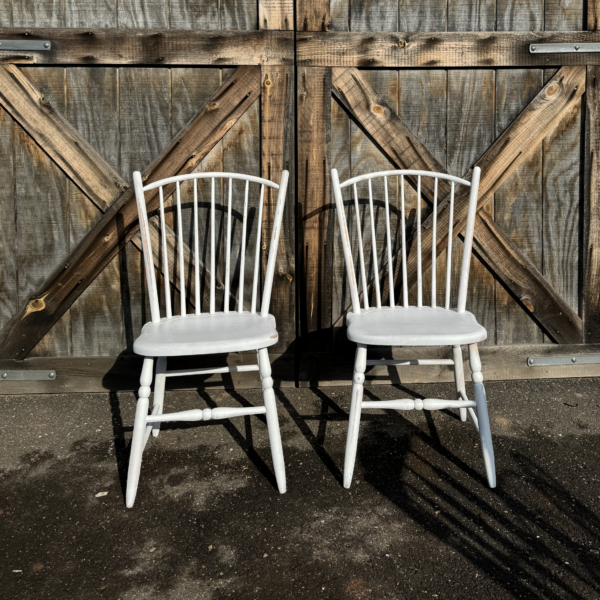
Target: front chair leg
[
  {"x": 459, "y": 379},
  {"x": 358, "y": 379},
  {"x": 264, "y": 367},
  {"x": 138, "y": 441},
  {"x": 159, "y": 392},
  {"x": 485, "y": 433}
]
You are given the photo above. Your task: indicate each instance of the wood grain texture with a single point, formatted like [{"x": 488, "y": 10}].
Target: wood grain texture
[
  {"x": 41, "y": 193},
  {"x": 471, "y": 15},
  {"x": 238, "y": 15},
  {"x": 519, "y": 15},
  {"x": 58, "y": 138},
  {"x": 373, "y": 15},
  {"x": 276, "y": 14},
  {"x": 499, "y": 363},
  {"x": 315, "y": 224},
  {"x": 504, "y": 156},
  {"x": 119, "y": 224},
  {"x": 142, "y": 13},
  {"x": 313, "y": 15},
  {"x": 518, "y": 203},
  {"x": 470, "y": 125},
  {"x": 421, "y": 15},
  {"x": 160, "y": 47},
  {"x": 96, "y": 318},
  {"x": 439, "y": 49},
  {"x": 591, "y": 208},
  {"x": 277, "y": 154},
  {"x": 122, "y": 373}
]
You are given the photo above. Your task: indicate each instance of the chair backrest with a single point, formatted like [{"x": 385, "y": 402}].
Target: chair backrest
[
  {"x": 387, "y": 257},
  {"x": 250, "y": 230}
]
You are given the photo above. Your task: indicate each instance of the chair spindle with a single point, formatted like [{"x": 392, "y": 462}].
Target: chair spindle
[
  {"x": 228, "y": 248},
  {"x": 163, "y": 229},
  {"x": 433, "y": 244},
  {"x": 449, "y": 251},
  {"x": 197, "y": 308},
  {"x": 212, "y": 245},
  {"x": 258, "y": 250},
  {"x": 182, "y": 294},
  {"x": 374, "y": 247},
  {"x": 243, "y": 252},
  {"x": 419, "y": 264},
  {"x": 389, "y": 244},
  {"x": 363, "y": 274},
  {"x": 404, "y": 274}
]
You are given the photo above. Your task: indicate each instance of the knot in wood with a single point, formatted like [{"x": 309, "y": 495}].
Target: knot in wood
[
  {"x": 37, "y": 304},
  {"x": 552, "y": 89},
  {"x": 401, "y": 43},
  {"x": 213, "y": 106},
  {"x": 528, "y": 305},
  {"x": 377, "y": 109}
]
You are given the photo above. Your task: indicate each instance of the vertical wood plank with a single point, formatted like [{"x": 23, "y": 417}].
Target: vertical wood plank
[
  {"x": 195, "y": 14},
  {"x": 417, "y": 15},
  {"x": 313, "y": 15},
  {"x": 560, "y": 179},
  {"x": 471, "y": 15},
  {"x": 518, "y": 203},
  {"x": 422, "y": 106},
  {"x": 591, "y": 209},
  {"x": 9, "y": 301},
  {"x": 40, "y": 186},
  {"x": 339, "y": 15},
  {"x": 519, "y": 15},
  {"x": 376, "y": 15},
  {"x": 144, "y": 129},
  {"x": 276, "y": 14},
  {"x": 314, "y": 205},
  {"x": 470, "y": 126},
  {"x": 239, "y": 15},
  {"x": 97, "y": 327},
  {"x": 277, "y": 150}
]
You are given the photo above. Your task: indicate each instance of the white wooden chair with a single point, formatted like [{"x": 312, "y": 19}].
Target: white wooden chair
[
  {"x": 412, "y": 325},
  {"x": 232, "y": 329}
]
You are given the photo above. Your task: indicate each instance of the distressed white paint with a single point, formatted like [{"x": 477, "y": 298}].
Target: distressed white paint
[
  {"x": 209, "y": 332},
  {"x": 413, "y": 325}
]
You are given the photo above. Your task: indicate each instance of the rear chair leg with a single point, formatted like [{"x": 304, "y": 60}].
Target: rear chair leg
[
  {"x": 138, "y": 441},
  {"x": 459, "y": 379},
  {"x": 360, "y": 365},
  {"x": 485, "y": 434},
  {"x": 159, "y": 392},
  {"x": 266, "y": 381}
]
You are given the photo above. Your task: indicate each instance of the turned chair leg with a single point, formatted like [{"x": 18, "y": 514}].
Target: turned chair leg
[
  {"x": 264, "y": 366},
  {"x": 138, "y": 441},
  {"x": 459, "y": 379},
  {"x": 485, "y": 434},
  {"x": 158, "y": 398},
  {"x": 358, "y": 379}
]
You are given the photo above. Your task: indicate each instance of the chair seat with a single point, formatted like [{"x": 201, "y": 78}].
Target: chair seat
[
  {"x": 206, "y": 334},
  {"x": 414, "y": 326}
]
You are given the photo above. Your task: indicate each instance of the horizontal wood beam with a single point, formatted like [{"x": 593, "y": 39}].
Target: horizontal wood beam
[
  {"x": 515, "y": 271},
  {"x": 438, "y": 49},
  {"x": 122, "y": 373},
  {"x": 59, "y": 139},
  {"x": 499, "y": 363},
  {"x": 120, "y": 223},
  {"x": 155, "y": 47}
]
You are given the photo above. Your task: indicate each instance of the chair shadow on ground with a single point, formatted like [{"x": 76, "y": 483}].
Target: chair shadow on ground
[
  {"x": 530, "y": 535},
  {"x": 243, "y": 440}
]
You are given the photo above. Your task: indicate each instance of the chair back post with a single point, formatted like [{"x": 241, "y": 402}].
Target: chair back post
[
  {"x": 274, "y": 245},
  {"x": 468, "y": 245},
  {"x": 339, "y": 203},
  {"x": 140, "y": 199}
]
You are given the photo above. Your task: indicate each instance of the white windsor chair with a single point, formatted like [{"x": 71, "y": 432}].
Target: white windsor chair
[
  {"x": 211, "y": 332},
  {"x": 413, "y": 325}
]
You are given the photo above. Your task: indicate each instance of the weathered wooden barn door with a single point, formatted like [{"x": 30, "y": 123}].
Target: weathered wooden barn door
[
  {"x": 126, "y": 85},
  {"x": 462, "y": 88}
]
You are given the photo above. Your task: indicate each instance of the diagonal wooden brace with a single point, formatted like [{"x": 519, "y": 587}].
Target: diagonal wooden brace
[
  {"x": 120, "y": 223},
  {"x": 514, "y": 270}
]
